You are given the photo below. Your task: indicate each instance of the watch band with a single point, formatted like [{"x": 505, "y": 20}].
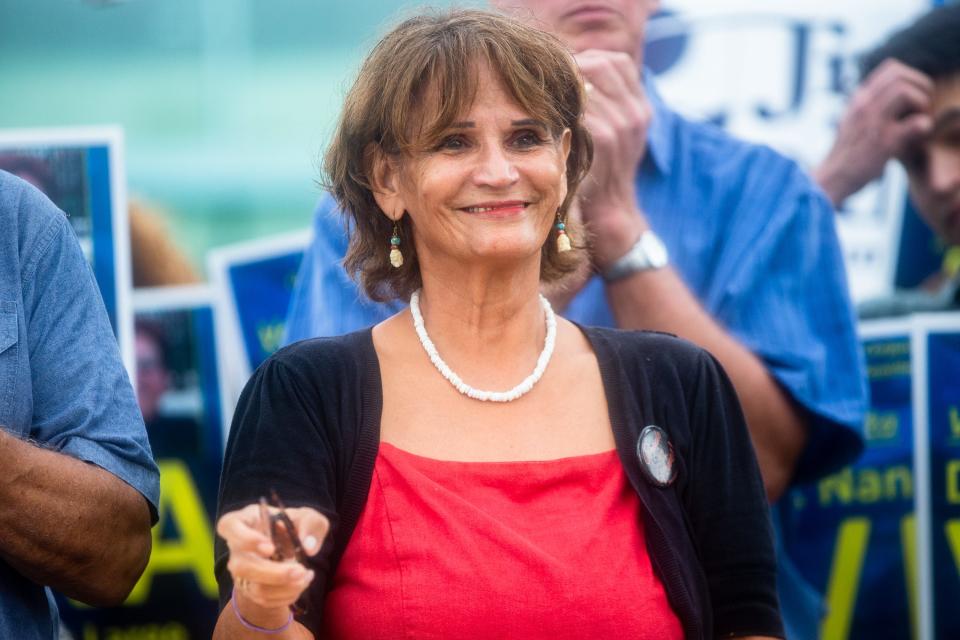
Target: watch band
[{"x": 647, "y": 253}]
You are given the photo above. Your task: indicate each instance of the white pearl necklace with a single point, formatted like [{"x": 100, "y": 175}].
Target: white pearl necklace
[{"x": 457, "y": 381}]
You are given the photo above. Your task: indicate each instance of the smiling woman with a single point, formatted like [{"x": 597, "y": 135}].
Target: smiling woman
[
  {"x": 449, "y": 118},
  {"x": 475, "y": 466}
]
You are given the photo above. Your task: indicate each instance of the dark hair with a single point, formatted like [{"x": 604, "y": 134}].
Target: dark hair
[
  {"x": 437, "y": 54},
  {"x": 930, "y": 45}
]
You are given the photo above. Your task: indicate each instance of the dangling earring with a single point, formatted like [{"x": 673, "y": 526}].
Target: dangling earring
[
  {"x": 563, "y": 240},
  {"x": 396, "y": 258}
]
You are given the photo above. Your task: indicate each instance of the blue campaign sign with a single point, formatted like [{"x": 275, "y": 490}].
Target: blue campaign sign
[
  {"x": 943, "y": 413},
  {"x": 75, "y": 172},
  {"x": 849, "y": 532},
  {"x": 79, "y": 169},
  {"x": 261, "y": 292},
  {"x": 102, "y": 231}
]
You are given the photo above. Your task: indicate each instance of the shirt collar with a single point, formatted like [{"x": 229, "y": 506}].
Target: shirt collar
[{"x": 660, "y": 132}]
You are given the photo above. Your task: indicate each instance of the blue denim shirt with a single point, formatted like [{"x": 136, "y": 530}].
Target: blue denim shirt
[
  {"x": 754, "y": 240},
  {"x": 62, "y": 383}
]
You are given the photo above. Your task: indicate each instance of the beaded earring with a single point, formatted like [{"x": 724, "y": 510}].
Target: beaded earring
[
  {"x": 563, "y": 240},
  {"x": 396, "y": 258}
]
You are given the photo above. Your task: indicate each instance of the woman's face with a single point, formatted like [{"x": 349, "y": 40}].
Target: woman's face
[{"x": 488, "y": 193}]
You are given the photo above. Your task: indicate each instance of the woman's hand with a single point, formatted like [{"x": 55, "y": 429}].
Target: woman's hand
[{"x": 265, "y": 589}]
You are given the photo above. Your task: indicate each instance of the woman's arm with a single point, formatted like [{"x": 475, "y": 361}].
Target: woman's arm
[
  {"x": 278, "y": 442},
  {"x": 265, "y": 589}
]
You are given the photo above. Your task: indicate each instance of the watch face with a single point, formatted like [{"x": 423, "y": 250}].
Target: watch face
[{"x": 655, "y": 250}]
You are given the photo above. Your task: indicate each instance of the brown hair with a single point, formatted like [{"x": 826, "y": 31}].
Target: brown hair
[{"x": 439, "y": 52}]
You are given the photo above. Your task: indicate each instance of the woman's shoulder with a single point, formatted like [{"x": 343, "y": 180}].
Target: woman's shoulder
[
  {"x": 326, "y": 359},
  {"x": 648, "y": 348},
  {"x": 661, "y": 363}
]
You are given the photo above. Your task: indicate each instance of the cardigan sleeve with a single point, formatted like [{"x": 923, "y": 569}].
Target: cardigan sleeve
[
  {"x": 728, "y": 511},
  {"x": 278, "y": 441}
]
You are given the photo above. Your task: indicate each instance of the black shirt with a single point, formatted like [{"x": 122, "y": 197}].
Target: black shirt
[{"x": 308, "y": 426}]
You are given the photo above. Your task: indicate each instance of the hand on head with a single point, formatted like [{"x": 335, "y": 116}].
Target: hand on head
[
  {"x": 888, "y": 111},
  {"x": 269, "y": 584}
]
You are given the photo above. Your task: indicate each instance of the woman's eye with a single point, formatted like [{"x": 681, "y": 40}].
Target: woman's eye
[
  {"x": 527, "y": 139},
  {"x": 452, "y": 143}
]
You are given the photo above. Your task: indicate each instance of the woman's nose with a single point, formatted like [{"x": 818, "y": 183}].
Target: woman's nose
[{"x": 495, "y": 167}]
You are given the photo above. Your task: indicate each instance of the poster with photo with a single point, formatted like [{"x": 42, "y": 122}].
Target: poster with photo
[
  {"x": 81, "y": 170},
  {"x": 936, "y": 340},
  {"x": 851, "y": 533},
  {"x": 180, "y": 395},
  {"x": 253, "y": 283}
]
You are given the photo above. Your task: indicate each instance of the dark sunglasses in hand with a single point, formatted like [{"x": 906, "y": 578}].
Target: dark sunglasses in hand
[{"x": 286, "y": 543}]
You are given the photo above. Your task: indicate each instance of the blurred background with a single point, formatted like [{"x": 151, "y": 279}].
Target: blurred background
[
  {"x": 225, "y": 104},
  {"x": 218, "y": 112}
]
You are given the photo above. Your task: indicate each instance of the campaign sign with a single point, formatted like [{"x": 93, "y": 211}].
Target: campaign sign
[
  {"x": 81, "y": 171},
  {"x": 178, "y": 390},
  {"x": 850, "y": 534},
  {"x": 253, "y": 283},
  {"x": 938, "y": 465}
]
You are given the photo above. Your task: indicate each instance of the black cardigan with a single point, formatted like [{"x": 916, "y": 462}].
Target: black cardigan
[{"x": 308, "y": 425}]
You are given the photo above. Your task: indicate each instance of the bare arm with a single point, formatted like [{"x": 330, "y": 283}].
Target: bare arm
[
  {"x": 618, "y": 114},
  {"x": 70, "y": 524}
]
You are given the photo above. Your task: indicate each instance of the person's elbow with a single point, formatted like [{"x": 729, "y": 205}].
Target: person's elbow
[{"x": 126, "y": 552}]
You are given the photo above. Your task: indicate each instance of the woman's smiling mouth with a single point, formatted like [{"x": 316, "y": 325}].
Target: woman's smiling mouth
[{"x": 497, "y": 209}]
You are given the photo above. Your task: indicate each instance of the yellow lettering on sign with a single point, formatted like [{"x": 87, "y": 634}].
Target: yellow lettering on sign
[
  {"x": 839, "y": 486},
  {"x": 953, "y": 482},
  {"x": 869, "y": 489},
  {"x": 908, "y": 546},
  {"x": 844, "y": 578},
  {"x": 952, "y": 529},
  {"x": 270, "y": 335},
  {"x": 898, "y": 483},
  {"x": 954, "y": 423},
  {"x": 193, "y": 551},
  {"x": 881, "y": 425},
  {"x": 866, "y": 485}
]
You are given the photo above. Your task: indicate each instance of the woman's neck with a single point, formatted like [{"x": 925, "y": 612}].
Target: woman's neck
[{"x": 487, "y": 323}]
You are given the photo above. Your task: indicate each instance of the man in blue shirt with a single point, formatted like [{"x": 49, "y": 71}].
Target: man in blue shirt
[
  {"x": 79, "y": 487},
  {"x": 722, "y": 242}
]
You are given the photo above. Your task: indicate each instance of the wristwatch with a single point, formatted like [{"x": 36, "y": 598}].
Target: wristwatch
[{"x": 648, "y": 253}]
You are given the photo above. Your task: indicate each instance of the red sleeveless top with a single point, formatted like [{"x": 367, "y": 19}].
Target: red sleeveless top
[{"x": 478, "y": 550}]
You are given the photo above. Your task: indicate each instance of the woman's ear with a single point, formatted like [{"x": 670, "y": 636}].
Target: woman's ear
[{"x": 384, "y": 172}]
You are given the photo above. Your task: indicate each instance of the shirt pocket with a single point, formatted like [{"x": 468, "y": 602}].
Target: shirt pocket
[{"x": 9, "y": 361}]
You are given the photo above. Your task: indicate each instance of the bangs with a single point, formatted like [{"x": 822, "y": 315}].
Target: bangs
[{"x": 444, "y": 85}]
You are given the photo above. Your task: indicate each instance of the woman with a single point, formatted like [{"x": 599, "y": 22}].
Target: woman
[{"x": 458, "y": 504}]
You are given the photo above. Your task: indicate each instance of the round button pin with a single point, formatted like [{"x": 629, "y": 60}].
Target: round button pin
[{"x": 657, "y": 460}]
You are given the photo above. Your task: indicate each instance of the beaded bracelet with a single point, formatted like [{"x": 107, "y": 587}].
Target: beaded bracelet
[{"x": 252, "y": 627}]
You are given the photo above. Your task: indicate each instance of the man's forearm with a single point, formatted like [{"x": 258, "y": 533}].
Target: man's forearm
[
  {"x": 659, "y": 300},
  {"x": 70, "y": 525}
]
